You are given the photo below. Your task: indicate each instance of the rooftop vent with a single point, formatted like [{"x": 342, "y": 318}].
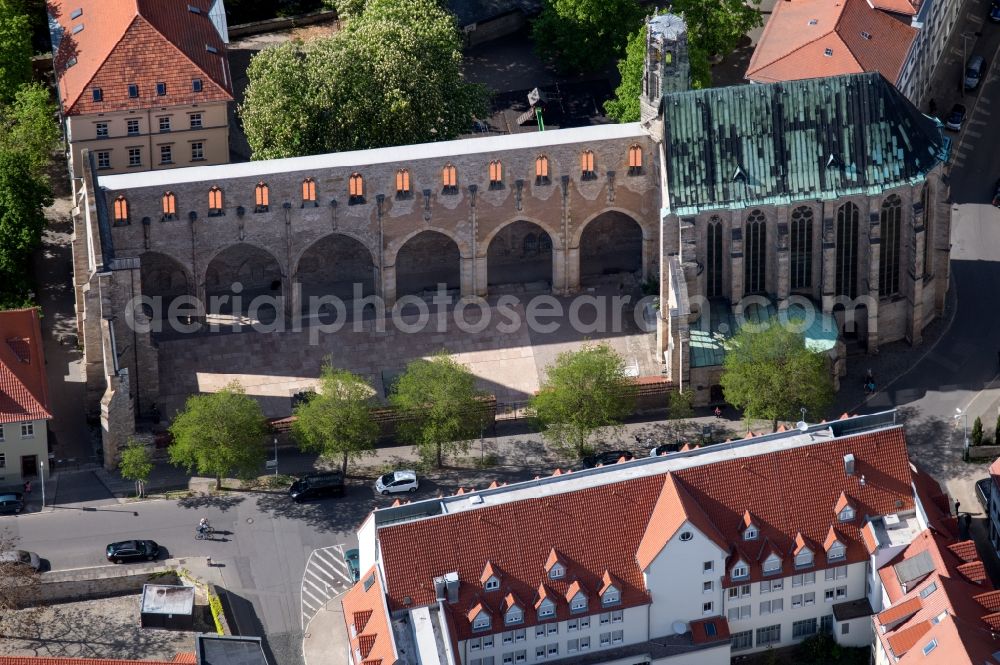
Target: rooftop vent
[
  {"x": 451, "y": 584},
  {"x": 813, "y": 21},
  {"x": 849, "y": 464},
  {"x": 892, "y": 521},
  {"x": 866, "y": 35},
  {"x": 439, "y": 588},
  {"x": 193, "y": 9}
]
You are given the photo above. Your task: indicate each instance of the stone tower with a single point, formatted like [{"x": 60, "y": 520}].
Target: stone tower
[{"x": 667, "y": 66}]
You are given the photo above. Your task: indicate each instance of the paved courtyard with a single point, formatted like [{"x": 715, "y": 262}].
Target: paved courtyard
[{"x": 509, "y": 363}]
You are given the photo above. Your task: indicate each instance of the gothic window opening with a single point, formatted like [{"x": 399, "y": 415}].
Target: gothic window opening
[
  {"x": 801, "y": 240},
  {"x": 261, "y": 197},
  {"x": 587, "y": 165},
  {"x": 496, "y": 174},
  {"x": 847, "y": 250},
  {"x": 215, "y": 201},
  {"x": 542, "y": 170},
  {"x": 635, "y": 160},
  {"x": 169, "y": 205},
  {"x": 890, "y": 226},
  {"x": 713, "y": 287},
  {"x": 121, "y": 210},
  {"x": 309, "y": 191},
  {"x": 402, "y": 184},
  {"x": 356, "y": 189},
  {"x": 449, "y": 179},
  {"x": 755, "y": 253}
]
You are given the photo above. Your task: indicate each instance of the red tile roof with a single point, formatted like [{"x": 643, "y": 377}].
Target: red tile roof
[
  {"x": 816, "y": 38},
  {"x": 602, "y": 528},
  {"x": 905, "y": 7},
  {"x": 24, "y": 388},
  {"x": 700, "y": 631},
  {"x": 950, "y": 609},
  {"x": 137, "y": 41},
  {"x": 374, "y": 640},
  {"x": 674, "y": 508}
]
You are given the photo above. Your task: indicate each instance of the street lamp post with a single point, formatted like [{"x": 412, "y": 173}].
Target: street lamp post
[
  {"x": 41, "y": 470},
  {"x": 275, "y": 456},
  {"x": 963, "y": 414}
]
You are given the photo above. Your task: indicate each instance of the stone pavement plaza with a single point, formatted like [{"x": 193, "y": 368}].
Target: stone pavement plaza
[{"x": 274, "y": 366}]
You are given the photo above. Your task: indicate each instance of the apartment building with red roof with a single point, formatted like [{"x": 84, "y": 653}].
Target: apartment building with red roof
[
  {"x": 900, "y": 39},
  {"x": 24, "y": 397},
  {"x": 692, "y": 557},
  {"x": 142, "y": 84}
]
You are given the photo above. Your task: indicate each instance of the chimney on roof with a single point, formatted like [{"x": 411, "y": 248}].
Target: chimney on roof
[
  {"x": 451, "y": 583},
  {"x": 439, "y": 588},
  {"x": 849, "y": 464}
]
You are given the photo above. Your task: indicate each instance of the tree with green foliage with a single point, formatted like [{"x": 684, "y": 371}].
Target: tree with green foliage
[
  {"x": 625, "y": 106},
  {"x": 770, "y": 374},
  {"x": 337, "y": 421},
  {"x": 136, "y": 464},
  {"x": 679, "y": 405},
  {"x": 714, "y": 30},
  {"x": 977, "y": 431},
  {"x": 22, "y": 197},
  {"x": 15, "y": 48},
  {"x": 442, "y": 406},
  {"x": 28, "y": 128},
  {"x": 220, "y": 433},
  {"x": 584, "y": 35},
  {"x": 583, "y": 391},
  {"x": 392, "y": 76},
  {"x": 996, "y": 432}
]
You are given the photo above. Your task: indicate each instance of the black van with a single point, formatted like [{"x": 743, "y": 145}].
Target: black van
[
  {"x": 11, "y": 502},
  {"x": 317, "y": 485}
]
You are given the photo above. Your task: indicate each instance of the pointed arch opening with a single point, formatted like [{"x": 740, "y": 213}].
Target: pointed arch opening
[
  {"x": 426, "y": 260},
  {"x": 519, "y": 257}
]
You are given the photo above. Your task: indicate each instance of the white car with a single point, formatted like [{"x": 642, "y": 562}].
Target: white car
[{"x": 396, "y": 482}]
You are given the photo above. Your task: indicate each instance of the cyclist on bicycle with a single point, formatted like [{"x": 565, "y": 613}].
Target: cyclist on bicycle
[{"x": 203, "y": 525}]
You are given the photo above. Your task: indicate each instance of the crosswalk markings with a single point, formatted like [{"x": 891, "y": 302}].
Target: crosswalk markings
[{"x": 326, "y": 575}]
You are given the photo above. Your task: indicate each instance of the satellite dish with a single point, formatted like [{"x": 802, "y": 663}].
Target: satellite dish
[
  {"x": 802, "y": 425},
  {"x": 679, "y": 627}
]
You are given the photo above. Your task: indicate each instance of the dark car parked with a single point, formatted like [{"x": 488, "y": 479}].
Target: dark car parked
[
  {"x": 983, "y": 488},
  {"x": 317, "y": 485},
  {"x": 133, "y": 550},
  {"x": 955, "y": 118},
  {"x": 605, "y": 458},
  {"x": 665, "y": 448},
  {"x": 11, "y": 502}
]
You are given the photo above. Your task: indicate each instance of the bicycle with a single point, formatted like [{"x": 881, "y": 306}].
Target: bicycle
[{"x": 204, "y": 533}]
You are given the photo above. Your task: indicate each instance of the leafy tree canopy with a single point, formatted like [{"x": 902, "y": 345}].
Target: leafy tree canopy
[
  {"x": 770, "y": 375},
  {"x": 136, "y": 464},
  {"x": 625, "y": 106},
  {"x": 584, "y": 390},
  {"x": 337, "y": 421},
  {"x": 584, "y": 35},
  {"x": 392, "y": 76},
  {"x": 15, "y": 48},
  {"x": 220, "y": 433},
  {"x": 22, "y": 221},
  {"x": 443, "y": 406}
]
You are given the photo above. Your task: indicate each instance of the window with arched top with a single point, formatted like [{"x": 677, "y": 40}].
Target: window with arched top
[
  {"x": 121, "y": 210},
  {"x": 402, "y": 184},
  {"x": 309, "y": 191},
  {"x": 496, "y": 174},
  {"x": 635, "y": 160},
  {"x": 169, "y": 205},
  {"x": 541, "y": 170},
  {"x": 215, "y": 207},
  {"x": 356, "y": 189},
  {"x": 449, "y": 179},
  {"x": 890, "y": 227},
  {"x": 261, "y": 197},
  {"x": 587, "y": 165},
  {"x": 755, "y": 253},
  {"x": 847, "y": 250},
  {"x": 713, "y": 272},
  {"x": 801, "y": 249}
]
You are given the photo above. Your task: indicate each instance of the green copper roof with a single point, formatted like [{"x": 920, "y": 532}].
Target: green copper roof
[{"x": 775, "y": 143}]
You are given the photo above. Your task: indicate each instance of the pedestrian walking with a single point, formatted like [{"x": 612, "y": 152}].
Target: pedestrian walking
[
  {"x": 27, "y": 487},
  {"x": 718, "y": 412}
]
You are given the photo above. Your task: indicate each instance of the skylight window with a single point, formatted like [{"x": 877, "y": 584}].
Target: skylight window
[
  {"x": 195, "y": 85},
  {"x": 813, "y": 21},
  {"x": 193, "y": 9},
  {"x": 866, "y": 35},
  {"x": 133, "y": 90},
  {"x": 76, "y": 13},
  {"x": 211, "y": 49},
  {"x": 78, "y": 28},
  {"x": 828, "y": 52},
  {"x": 930, "y": 646},
  {"x": 928, "y": 590},
  {"x": 940, "y": 617},
  {"x": 710, "y": 629}
]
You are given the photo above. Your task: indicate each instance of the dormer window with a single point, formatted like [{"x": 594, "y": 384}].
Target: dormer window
[
  {"x": 546, "y": 609},
  {"x": 480, "y": 619},
  {"x": 133, "y": 90},
  {"x": 740, "y": 571},
  {"x": 554, "y": 565},
  {"x": 611, "y": 596},
  {"x": 846, "y": 515},
  {"x": 557, "y": 571},
  {"x": 514, "y": 616},
  {"x": 804, "y": 558},
  {"x": 772, "y": 564},
  {"x": 579, "y": 603},
  {"x": 836, "y": 551},
  {"x": 750, "y": 533},
  {"x": 492, "y": 584}
]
